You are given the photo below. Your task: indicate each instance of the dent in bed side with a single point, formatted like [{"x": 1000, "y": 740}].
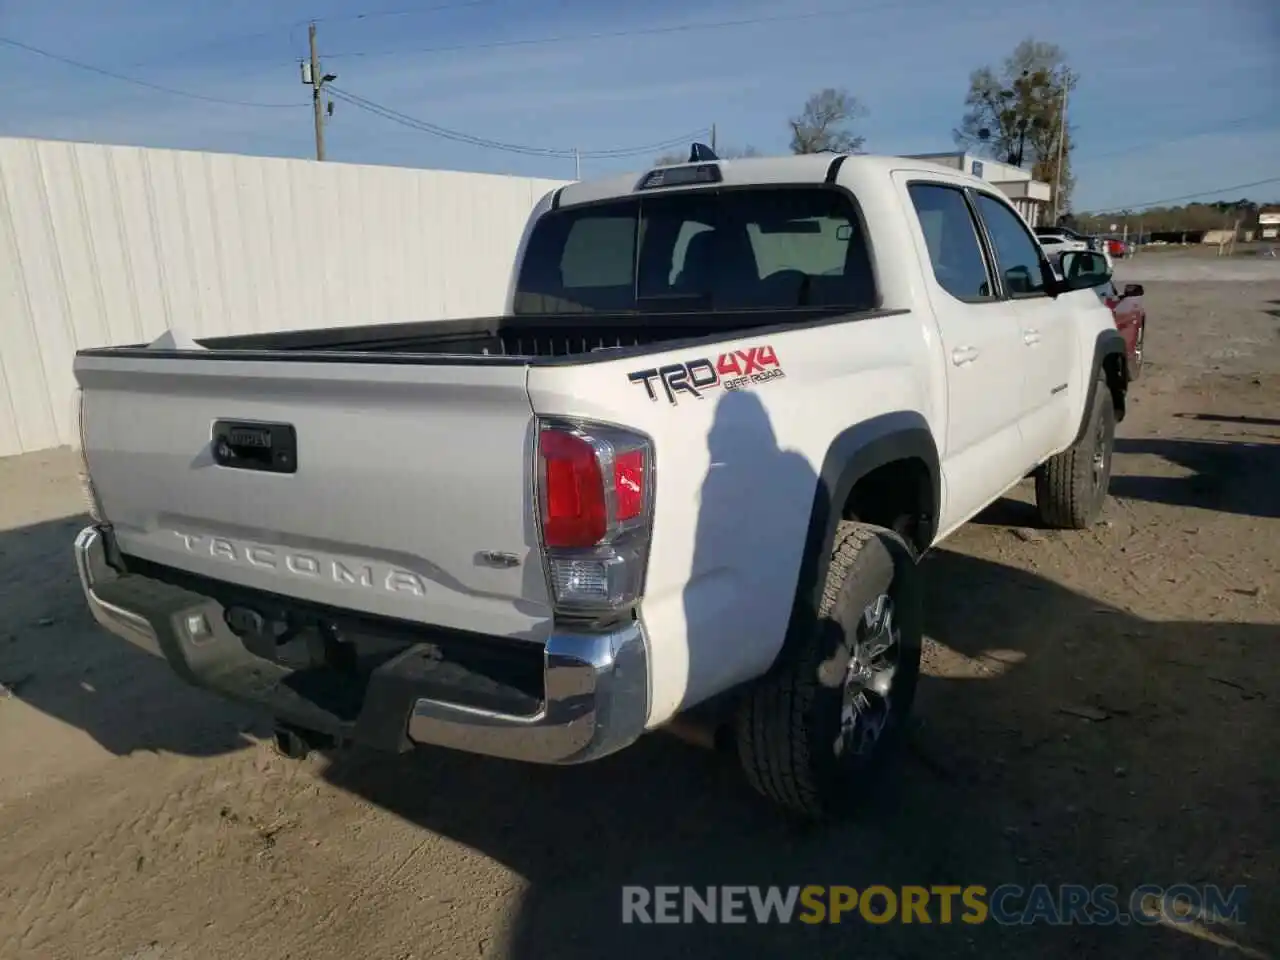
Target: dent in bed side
[{"x": 1109, "y": 357}]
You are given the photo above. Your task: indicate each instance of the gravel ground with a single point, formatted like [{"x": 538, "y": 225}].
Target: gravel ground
[
  {"x": 1185, "y": 267},
  {"x": 1097, "y": 708}
]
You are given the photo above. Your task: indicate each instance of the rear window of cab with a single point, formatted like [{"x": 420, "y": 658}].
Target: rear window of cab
[{"x": 728, "y": 249}]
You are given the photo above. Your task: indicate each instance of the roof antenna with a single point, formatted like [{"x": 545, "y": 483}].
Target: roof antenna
[{"x": 701, "y": 153}]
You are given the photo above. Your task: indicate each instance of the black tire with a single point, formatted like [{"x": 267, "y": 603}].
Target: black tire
[
  {"x": 790, "y": 721},
  {"x": 1071, "y": 487}
]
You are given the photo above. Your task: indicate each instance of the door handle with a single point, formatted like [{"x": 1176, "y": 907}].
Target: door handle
[
  {"x": 1031, "y": 337},
  {"x": 962, "y": 355}
]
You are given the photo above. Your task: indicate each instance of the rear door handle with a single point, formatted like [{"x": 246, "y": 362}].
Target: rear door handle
[
  {"x": 962, "y": 355},
  {"x": 1031, "y": 337}
]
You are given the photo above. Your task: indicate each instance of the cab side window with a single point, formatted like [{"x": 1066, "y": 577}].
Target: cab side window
[
  {"x": 1017, "y": 253},
  {"x": 952, "y": 239}
]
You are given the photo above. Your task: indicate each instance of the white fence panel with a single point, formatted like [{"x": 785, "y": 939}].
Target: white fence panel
[{"x": 107, "y": 245}]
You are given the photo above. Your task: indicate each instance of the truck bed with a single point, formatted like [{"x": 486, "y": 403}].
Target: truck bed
[
  {"x": 553, "y": 338},
  {"x": 370, "y": 469}
]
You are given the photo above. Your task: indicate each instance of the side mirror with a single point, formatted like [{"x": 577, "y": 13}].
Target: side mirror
[
  {"x": 1133, "y": 290},
  {"x": 1082, "y": 270}
]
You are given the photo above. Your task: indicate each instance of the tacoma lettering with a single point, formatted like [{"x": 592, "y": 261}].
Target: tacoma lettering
[{"x": 347, "y": 573}]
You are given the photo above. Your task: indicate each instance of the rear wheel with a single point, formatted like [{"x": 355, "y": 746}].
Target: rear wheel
[
  {"x": 816, "y": 732},
  {"x": 1072, "y": 486}
]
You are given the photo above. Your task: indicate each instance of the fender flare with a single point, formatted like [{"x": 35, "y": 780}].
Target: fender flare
[
  {"x": 853, "y": 454},
  {"x": 1108, "y": 343}
]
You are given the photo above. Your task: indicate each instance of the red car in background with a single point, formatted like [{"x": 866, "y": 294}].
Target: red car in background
[
  {"x": 1118, "y": 249},
  {"x": 1131, "y": 319}
]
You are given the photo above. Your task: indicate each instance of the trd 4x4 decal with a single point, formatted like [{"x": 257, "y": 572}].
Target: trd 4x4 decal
[{"x": 732, "y": 371}]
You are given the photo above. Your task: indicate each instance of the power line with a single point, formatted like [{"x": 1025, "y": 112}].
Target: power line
[
  {"x": 404, "y": 11},
  {"x": 290, "y": 28},
  {"x": 443, "y": 132},
  {"x": 457, "y": 136},
  {"x": 1216, "y": 128},
  {"x": 141, "y": 83},
  {"x": 623, "y": 152},
  {"x": 1186, "y": 196},
  {"x": 607, "y": 35},
  {"x": 576, "y": 38}
]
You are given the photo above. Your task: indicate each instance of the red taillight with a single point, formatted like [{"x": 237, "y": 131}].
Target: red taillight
[
  {"x": 574, "y": 513},
  {"x": 628, "y": 483},
  {"x": 595, "y": 504},
  {"x": 578, "y": 509}
]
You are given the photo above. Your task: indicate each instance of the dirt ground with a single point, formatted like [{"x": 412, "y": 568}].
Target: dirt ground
[{"x": 1099, "y": 707}]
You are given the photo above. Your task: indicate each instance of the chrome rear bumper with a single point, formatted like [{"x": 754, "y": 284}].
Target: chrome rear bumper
[
  {"x": 91, "y": 563},
  {"x": 595, "y": 701}
]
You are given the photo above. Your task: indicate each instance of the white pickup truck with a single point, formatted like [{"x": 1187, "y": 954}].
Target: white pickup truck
[{"x": 693, "y": 465}]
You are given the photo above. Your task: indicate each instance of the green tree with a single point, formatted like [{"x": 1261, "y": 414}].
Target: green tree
[
  {"x": 825, "y": 123},
  {"x": 1014, "y": 113}
]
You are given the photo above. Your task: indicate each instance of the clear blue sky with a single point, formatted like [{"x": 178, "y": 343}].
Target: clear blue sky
[{"x": 1176, "y": 96}]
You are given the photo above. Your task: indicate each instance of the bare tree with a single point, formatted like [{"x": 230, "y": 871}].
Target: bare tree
[
  {"x": 823, "y": 126},
  {"x": 725, "y": 153},
  {"x": 1015, "y": 114}
]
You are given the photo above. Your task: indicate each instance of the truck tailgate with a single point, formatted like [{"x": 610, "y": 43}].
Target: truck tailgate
[{"x": 408, "y": 494}]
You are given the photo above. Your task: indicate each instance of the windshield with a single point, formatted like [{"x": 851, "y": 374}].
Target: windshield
[{"x": 743, "y": 249}]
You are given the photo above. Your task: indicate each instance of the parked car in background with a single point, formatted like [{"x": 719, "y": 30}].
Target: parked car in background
[
  {"x": 1059, "y": 240},
  {"x": 1131, "y": 318},
  {"x": 1056, "y": 240},
  {"x": 1118, "y": 249}
]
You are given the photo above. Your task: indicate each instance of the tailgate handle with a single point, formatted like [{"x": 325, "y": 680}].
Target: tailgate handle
[{"x": 250, "y": 445}]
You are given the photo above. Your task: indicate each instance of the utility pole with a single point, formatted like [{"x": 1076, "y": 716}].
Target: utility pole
[
  {"x": 713, "y": 138},
  {"x": 315, "y": 92},
  {"x": 1062, "y": 139},
  {"x": 577, "y": 164},
  {"x": 312, "y": 76}
]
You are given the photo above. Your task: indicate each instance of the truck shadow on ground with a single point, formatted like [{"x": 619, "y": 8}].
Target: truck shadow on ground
[
  {"x": 1056, "y": 740},
  {"x": 1005, "y": 782},
  {"x": 1008, "y": 512},
  {"x": 1217, "y": 418},
  {"x": 1228, "y": 476},
  {"x": 1225, "y": 475},
  {"x": 1050, "y": 745},
  {"x": 55, "y": 657}
]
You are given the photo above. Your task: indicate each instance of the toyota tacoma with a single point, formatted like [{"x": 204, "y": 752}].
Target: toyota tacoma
[{"x": 692, "y": 465}]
